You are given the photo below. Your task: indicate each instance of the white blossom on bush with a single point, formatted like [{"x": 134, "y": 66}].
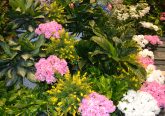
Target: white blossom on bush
[
  {"x": 150, "y": 68},
  {"x": 146, "y": 53},
  {"x": 138, "y": 104},
  {"x": 149, "y": 25},
  {"x": 124, "y": 12},
  {"x": 140, "y": 40},
  {"x": 157, "y": 76}
]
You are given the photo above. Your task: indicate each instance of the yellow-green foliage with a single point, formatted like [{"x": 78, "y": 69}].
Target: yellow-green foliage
[
  {"x": 68, "y": 93},
  {"x": 55, "y": 11},
  {"x": 63, "y": 48}
]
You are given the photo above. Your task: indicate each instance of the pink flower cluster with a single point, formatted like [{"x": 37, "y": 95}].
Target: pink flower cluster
[
  {"x": 153, "y": 39},
  {"x": 146, "y": 61},
  {"x": 50, "y": 29},
  {"x": 96, "y": 105},
  {"x": 156, "y": 90},
  {"x": 46, "y": 68},
  {"x": 162, "y": 16}
]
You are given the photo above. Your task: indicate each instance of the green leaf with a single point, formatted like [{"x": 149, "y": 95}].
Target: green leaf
[
  {"x": 26, "y": 56},
  {"x": 21, "y": 71},
  {"x": 96, "y": 52},
  {"x": 31, "y": 77},
  {"x": 105, "y": 44},
  {"x": 11, "y": 78},
  {"x": 3, "y": 72},
  {"x": 6, "y": 48},
  {"x": 40, "y": 41}
]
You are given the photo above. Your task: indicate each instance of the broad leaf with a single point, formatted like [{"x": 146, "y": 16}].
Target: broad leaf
[{"x": 105, "y": 44}]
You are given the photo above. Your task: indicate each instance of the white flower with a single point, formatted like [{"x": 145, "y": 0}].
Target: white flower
[
  {"x": 149, "y": 25},
  {"x": 140, "y": 40},
  {"x": 141, "y": 104},
  {"x": 146, "y": 53},
  {"x": 157, "y": 76},
  {"x": 150, "y": 68}
]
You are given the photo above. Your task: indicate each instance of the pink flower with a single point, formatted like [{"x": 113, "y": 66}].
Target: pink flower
[
  {"x": 96, "y": 105},
  {"x": 153, "y": 39},
  {"x": 50, "y": 29},
  {"x": 46, "y": 68},
  {"x": 162, "y": 16},
  {"x": 145, "y": 61},
  {"x": 156, "y": 90}
]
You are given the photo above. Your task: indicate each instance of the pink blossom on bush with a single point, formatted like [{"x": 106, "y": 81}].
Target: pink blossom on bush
[
  {"x": 156, "y": 90},
  {"x": 162, "y": 16},
  {"x": 46, "y": 68},
  {"x": 153, "y": 39},
  {"x": 96, "y": 105},
  {"x": 50, "y": 29},
  {"x": 145, "y": 61}
]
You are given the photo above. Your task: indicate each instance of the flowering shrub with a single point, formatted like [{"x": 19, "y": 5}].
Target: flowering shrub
[
  {"x": 154, "y": 40},
  {"x": 156, "y": 90},
  {"x": 162, "y": 16},
  {"x": 157, "y": 76},
  {"x": 46, "y": 68},
  {"x": 149, "y": 25},
  {"x": 146, "y": 53},
  {"x": 141, "y": 41},
  {"x": 110, "y": 50},
  {"x": 125, "y": 12},
  {"x": 138, "y": 104},
  {"x": 50, "y": 29},
  {"x": 145, "y": 61},
  {"x": 96, "y": 104}
]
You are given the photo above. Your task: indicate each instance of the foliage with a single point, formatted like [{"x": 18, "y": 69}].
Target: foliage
[
  {"x": 63, "y": 48},
  {"x": 67, "y": 94},
  {"x": 113, "y": 57},
  {"x": 18, "y": 57},
  {"x": 22, "y": 101},
  {"x": 55, "y": 11},
  {"x": 115, "y": 86}
]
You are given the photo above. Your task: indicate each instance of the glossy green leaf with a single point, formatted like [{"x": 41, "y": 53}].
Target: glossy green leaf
[
  {"x": 21, "y": 71},
  {"x": 105, "y": 44},
  {"x": 31, "y": 77}
]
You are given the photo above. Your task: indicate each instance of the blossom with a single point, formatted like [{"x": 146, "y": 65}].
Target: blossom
[
  {"x": 157, "y": 76},
  {"x": 150, "y": 68},
  {"x": 153, "y": 39},
  {"x": 50, "y": 29},
  {"x": 162, "y": 16},
  {"x": 149, "y": 25},
  {"x": 125, "y": 12},
  {"x": 140, "y": 40},
  {"x": 96, "y": 105},
  {"x": 138, "y": 104},
  {"x": 156, "y": 90},
  {"x": 146, "y": 53},
  {"x": 146, "y": 61},
  {"x": 46, "y": 68}
]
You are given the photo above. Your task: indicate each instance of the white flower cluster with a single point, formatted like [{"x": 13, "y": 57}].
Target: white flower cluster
[
  {"x": 138, "y": 104},
  {"x": 134, "y": 11},
  {"x": 156, "y": 75},
  {"x": 140, "y": 40},
  {"x": 121, "y": 12},
  {"x": 143, "y": 10},
  {"x": 149, "y": 25},
  {"x": 146, "y": 53},
  {"x": 116, "y": 1}
]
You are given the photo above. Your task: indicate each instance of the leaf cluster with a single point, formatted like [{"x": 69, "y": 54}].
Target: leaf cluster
[{"x": 17, "y": 58}]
